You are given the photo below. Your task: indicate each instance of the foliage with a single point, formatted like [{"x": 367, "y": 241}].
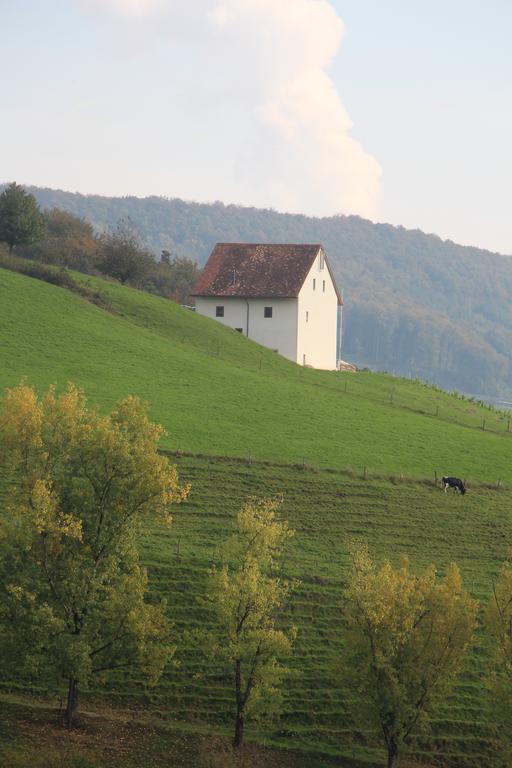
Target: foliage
[
  {"x": 80, "y": 486},
  {"x": 21, "y": 221},
  {"x": 406, "y": 641},
  {"x": 69, "y": 242},
  {"x": 122, "y": 255},
  {"x": 248, "y": 601},
  {"x": 326, "y": 507},
  {"x": 414, "y": 305},
  {"x": 173, "y": 277}
]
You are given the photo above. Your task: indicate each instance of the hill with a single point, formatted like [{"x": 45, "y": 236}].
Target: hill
[
  {"x": 325, "y": 507},
  {"x": 415, "y": 305},
  {"x": 218, "y": 393},
  {"x": 374, "y": 443}
]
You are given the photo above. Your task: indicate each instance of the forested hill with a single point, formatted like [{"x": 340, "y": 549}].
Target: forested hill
[{"x": 414, "y": 304}]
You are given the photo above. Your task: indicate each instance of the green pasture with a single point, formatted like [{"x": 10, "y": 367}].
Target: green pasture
[
  {"x": 218, "y": 393},
  {"x": 352, "y": 455},
  {"x": 326, "y": 508}
]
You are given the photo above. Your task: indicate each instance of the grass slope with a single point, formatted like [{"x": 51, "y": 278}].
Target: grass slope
[
  {"x": 325, "y": 508},
  {"x": 218, "y": 393}
]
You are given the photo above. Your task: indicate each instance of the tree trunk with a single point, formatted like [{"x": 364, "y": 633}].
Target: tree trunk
[
  {"x": 239, "y": 730},
  {"x": 72, "y": 702},
  {"x": 392, "y": 755},
  {"x": 239, "y": 722}
]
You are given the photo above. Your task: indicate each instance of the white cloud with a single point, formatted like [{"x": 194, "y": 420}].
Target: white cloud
[{"x": 258, "y": 77}]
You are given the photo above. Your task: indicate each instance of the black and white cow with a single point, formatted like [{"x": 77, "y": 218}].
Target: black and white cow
[{"x": 455, "y": 483}]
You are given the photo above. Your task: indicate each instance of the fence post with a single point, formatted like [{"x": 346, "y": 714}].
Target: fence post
[
  {"x": 435, "y": 477},
  {"x": 483, "y": 425}
]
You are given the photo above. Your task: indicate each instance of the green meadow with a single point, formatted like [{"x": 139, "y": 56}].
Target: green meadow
[
  {"x": 353, "y": 455},
  {"x": 218, "y": 393}
]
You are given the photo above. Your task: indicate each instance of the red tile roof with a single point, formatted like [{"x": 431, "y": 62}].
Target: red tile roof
[{"x": 257, "y": 270}]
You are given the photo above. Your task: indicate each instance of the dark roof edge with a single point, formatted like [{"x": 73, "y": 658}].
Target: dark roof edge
[
  {"x": 278, "y": 245},
  {"x": 239, "y": 296}
]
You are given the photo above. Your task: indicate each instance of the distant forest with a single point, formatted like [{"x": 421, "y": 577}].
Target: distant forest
[{"x": 415, "y": 305}]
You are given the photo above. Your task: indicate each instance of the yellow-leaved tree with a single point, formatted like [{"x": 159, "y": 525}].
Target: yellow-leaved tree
[
  {"x": 248, "y": 597},
  {"x": 405, "y": 642},
  {"x": 73, "y": 593}
]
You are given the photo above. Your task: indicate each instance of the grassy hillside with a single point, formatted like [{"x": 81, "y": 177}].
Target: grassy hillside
[
  {"x": 325, "y": 507},
  {"x": 218, "y": 393},
  {"x": 414, "y": 304}
]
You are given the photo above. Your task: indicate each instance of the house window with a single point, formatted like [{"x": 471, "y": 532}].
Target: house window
[
  {"x": 267, "y": 312},
  {"x": 321, "y": 261},
  {"x": 314, "y": 283},
  {"x": 323, "y": 286},
  {"x": 219, "y": 311},
  {"x": 307, "y": 317},
  {"x": 240, "y": 330}
]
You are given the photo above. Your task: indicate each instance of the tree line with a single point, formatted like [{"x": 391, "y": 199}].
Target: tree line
[
  {"x": 59, "y": 238},
  {"x": 75, "y": 605},
  {"x": 414, "y": 304}
]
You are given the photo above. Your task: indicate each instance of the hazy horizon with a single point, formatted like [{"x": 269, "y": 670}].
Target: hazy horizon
[{"x": 398, "y": 114}]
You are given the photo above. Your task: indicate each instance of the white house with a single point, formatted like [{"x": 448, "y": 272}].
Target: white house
[{"x": 282, "y": 296}]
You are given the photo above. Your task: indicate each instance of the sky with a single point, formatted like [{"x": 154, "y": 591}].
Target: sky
[{"x": 397, "y": 111}]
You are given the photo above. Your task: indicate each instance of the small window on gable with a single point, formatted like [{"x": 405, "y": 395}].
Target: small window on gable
[
  {"x": 307, "y": 317},
  {"x": 321, "y": 261},
  {"x": 267, "y": 312},
  {"x": 314, "y": 283},
  {"x": 219, "y": 311},
  {"x": 323, "y": 286}
]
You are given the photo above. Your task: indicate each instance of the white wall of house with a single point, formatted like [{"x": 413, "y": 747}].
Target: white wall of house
[
  {"x": 278, "y": 332},
  {"x": 317, "y": 318}
]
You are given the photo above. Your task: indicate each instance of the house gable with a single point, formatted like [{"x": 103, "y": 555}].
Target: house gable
[{"x": 281, "y": 296}]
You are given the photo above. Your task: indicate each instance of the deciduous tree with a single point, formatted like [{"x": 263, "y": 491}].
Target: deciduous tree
[
  {"x": 81, "y": 485},
  {"x": 248, "y": 597},
  {"x": 122, "y": 255},
  {"x": 405, "y": 642},
  {"x": 21, "y": 221},
  {"x": 69, "y": 242}
]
